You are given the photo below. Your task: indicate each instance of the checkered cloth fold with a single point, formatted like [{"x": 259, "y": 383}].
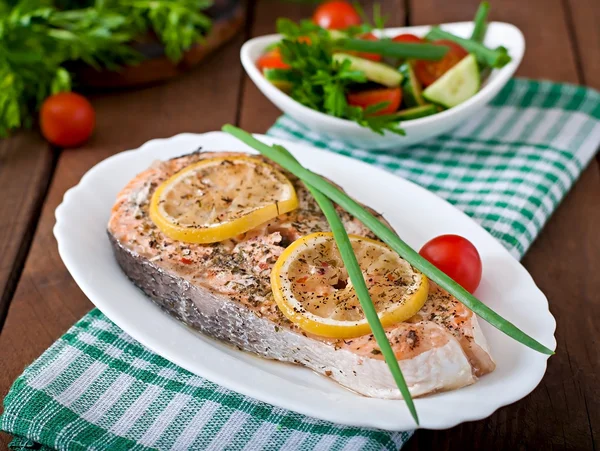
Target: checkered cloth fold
[{"x": 96, "y": 388}]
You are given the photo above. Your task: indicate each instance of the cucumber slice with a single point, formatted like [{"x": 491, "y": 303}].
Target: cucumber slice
[
  {"x": 337, "y": 34},
  {"x": 416, "y": 112},
  {"x": 411, "y": 86},
  {"x": 457, "y": 85},
  {"x": 377, "y": 72}
]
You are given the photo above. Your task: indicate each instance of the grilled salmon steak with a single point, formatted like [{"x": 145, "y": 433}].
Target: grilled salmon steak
[{"x": 223, "y": 290}]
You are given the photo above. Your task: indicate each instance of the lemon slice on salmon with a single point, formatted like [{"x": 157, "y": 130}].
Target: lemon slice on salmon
[
  {"x": 311, "y": 286},
  {"x": 219, "y": 198}
]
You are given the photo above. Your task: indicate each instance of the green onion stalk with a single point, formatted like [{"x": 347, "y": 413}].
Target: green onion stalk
[
  {"x": 358, "y": 282},
  {"x": 389, "y": 237}
]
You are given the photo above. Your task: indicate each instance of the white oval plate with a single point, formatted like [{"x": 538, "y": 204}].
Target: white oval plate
[
  {"x": 417, "y": 130},
  {"x": 84, "y": 247}
]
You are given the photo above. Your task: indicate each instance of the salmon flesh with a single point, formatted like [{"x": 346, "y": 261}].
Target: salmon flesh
[{"x": 223, "y": 290}]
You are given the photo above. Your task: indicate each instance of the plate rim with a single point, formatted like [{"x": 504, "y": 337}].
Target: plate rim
[{"x": 242, "y": 388}]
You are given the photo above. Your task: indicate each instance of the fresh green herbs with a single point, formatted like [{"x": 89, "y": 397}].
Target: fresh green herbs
[
  {"x": 391, "y": 239},
  {"x": 494, "y": 58},
  {"x": 37, "y": 39},
  {"x": 358, "y": 282},
  {"x": 323, "y": 82},
  {"x": 320, "y": 77},
  {"x": 379, "y": 19},
  {"x": 480, "y": 22},
  {"x": 395, "y": 49}
]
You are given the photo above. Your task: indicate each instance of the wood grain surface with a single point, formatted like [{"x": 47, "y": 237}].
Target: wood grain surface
[
  {"x": 563, "y": 44},
  {"x": 26, "y": 166}
]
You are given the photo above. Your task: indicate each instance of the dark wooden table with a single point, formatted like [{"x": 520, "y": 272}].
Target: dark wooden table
[{"x": 39, "y": 300}]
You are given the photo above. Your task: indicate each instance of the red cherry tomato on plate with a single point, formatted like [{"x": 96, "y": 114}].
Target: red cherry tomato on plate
[
  {"x": 408, "y": 37},
  {"x": 271, "y": 60},
  {"x": 457, "y": 257},
  {"x": 429, "y": 71},
  {"x": 336, "y": 15},
  {"x": 369, "y": 56},
  {"x": 365, "y": 99},
  {"x": 67, "y": 119}
]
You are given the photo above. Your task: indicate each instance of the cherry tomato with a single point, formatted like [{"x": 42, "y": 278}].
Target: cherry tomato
[
  {"x": 407, "y": 37},
  {"x": 271, "y": 60},
  {"x": 365, "y": 99},
  {"x": 336, "y": 15},
  {"x": 67, "y": 119},
  {"x": 456, "y": 257},
  {"x": 369, "y": 56},
  {"x": 429, "y": 71}
]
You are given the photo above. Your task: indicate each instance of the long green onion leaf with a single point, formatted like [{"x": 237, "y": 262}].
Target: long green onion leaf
[
  {"x": 495, "y": 58},
  {"x": 394, "y": 49},
  {"x": 480, "y": 22},
  {"x": 358, "y": 282},
  {"x": 391, "y": 239}
]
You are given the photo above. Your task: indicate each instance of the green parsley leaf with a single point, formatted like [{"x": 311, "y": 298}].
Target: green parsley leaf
[
  {"x": 319, "y": 82},
  {"x": 37, "y": 39}
]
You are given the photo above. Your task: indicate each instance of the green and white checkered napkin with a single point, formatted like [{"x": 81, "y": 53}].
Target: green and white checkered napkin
[{"x": 96, "y": 388}]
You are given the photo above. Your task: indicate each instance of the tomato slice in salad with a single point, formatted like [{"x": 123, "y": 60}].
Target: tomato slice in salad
[
  {"x": 271, "y": 60},
  {"x": 371, "y": 97},
  {"x": 408, "y": 37},
  {"x": 369, "y": 56},
  {"x": 336, "y": 15},
  {"x": 429, "y": 71}
]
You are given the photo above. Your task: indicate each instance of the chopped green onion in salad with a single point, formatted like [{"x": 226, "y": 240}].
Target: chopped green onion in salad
[{"x": 339, "y": 67}]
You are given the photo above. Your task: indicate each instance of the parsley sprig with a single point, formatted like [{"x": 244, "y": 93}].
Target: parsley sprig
[
  {"x": 322, "y": 82},
  {"x": 37, "y": 39}
]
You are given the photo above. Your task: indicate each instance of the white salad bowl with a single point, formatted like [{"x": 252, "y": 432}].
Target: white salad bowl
[{"x": 417, "y": 130}]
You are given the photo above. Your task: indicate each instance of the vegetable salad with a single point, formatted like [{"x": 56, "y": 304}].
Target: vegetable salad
[{"x": 336, "y": 64}]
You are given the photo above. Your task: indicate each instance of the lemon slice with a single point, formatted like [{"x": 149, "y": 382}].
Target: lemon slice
[
  {"x": 219, "y": 198},
  {"x": 312, "y": 288}
]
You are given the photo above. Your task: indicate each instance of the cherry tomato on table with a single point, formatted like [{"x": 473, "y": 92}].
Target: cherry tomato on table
[
  {"x": 336, "y": 15},
  {"x": 457, "y": 257},
  {"x": 408, "y": 37},
  {"x": 271, "y": 60},
  {"x": 365, "y": 99},
  {"x": 429, "y": 71},
  {"x": 67, "y": 119}
]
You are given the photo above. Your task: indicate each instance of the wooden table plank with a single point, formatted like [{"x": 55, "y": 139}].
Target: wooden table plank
[
  {"x": 47, "y": 301},
  {"x": 26, "y": 164},
  {"x": 548, "y": 53},
  {"x": 584, "y": 17}
]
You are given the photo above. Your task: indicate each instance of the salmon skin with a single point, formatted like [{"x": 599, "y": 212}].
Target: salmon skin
[{"x": 223, "y": 290}]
